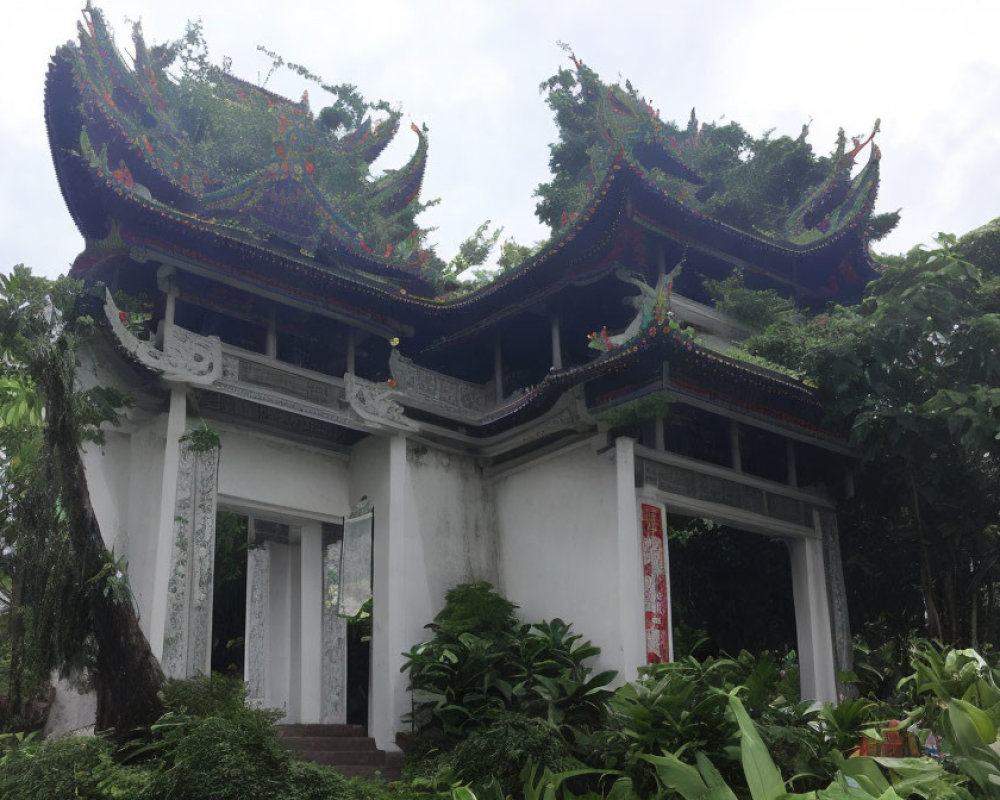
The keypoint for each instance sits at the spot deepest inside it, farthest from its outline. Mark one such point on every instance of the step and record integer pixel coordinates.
(386, 773)
(340, 758)
(316, 729)
(328, 742)
(343, 748)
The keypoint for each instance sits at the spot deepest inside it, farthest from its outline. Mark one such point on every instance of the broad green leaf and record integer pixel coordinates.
(979, 719)
(864, 770)
(718, 789)
(763, 778)
(675, 774)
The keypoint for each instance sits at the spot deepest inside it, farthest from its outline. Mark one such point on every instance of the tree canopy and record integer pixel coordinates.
(914, 371)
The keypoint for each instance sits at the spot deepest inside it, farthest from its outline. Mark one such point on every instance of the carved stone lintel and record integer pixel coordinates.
(187, 637)
(375, 403)
(185, 356)
(274, 399)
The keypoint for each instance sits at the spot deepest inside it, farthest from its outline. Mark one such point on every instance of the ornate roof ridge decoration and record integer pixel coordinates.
(123, 121)
(370, 140)
(395, 190)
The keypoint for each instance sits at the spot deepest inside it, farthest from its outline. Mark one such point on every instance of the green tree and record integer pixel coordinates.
(914, 371)
(70, 602)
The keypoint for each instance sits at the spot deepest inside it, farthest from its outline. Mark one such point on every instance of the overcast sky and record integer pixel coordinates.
(471, 70)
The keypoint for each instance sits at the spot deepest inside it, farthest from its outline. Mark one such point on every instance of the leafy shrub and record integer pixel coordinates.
(553, 678)
(215, 758)
(482, 662)
(502, 748)
(211, 746)
(474, 608)
(308, 781)
(205, 696)
(671, 705)
(71, 767)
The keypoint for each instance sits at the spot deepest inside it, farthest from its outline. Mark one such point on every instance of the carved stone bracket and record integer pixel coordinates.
(185, 356)
(375, 403)
(187, 641)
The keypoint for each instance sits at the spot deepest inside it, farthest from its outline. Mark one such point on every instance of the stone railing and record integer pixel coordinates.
(439, 393)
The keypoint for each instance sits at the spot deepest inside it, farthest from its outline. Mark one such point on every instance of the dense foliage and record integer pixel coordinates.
(729, 727)
(208, 745)
(913, 372)
(484, 669)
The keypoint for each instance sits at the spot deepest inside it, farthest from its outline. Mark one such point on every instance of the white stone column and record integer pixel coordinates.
(812, 620)
(277, 687)
(388, 698)
(258, 601)
(187, 639)
(163, 530)
(631, 604)
(311, 632)
(334, 644)
(843, 648)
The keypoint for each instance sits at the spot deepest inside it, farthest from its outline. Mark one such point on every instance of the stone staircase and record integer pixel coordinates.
(344, 748)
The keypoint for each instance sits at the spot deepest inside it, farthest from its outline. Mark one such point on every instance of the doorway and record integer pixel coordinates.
(229, 591)
(730, 589)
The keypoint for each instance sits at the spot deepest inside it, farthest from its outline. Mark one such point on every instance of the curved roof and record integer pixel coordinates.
(121, 123)
(132, 178)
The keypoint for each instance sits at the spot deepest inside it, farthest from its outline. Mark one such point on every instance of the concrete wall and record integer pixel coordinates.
(147, 446)
(124, 478)
(434, 527)
(290, 478)
(558, 545)
(450, 532)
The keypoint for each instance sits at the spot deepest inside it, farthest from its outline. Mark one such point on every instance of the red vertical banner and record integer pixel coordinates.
(654, 577)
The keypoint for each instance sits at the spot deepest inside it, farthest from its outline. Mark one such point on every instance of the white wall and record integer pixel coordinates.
(147, 445)
(108, 472)
(558, 543)
(124, 479)
(450, 532)
(288, 477)
(434, 528)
